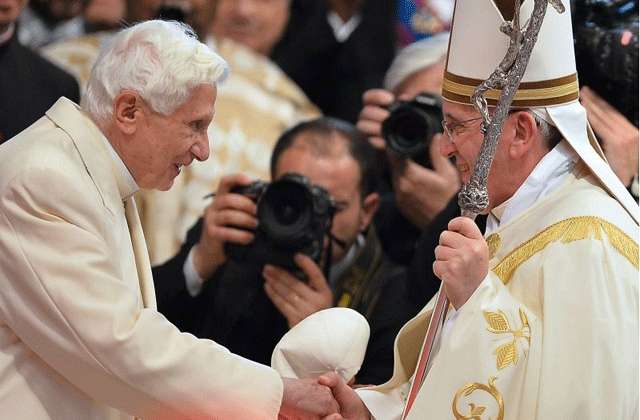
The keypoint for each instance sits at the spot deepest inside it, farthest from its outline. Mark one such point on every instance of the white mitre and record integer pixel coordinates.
(549, 86)
(331, 340)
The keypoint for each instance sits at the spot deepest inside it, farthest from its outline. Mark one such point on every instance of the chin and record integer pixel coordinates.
(166, 186)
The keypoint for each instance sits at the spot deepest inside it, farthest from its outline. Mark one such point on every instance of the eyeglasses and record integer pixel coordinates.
(455, 129)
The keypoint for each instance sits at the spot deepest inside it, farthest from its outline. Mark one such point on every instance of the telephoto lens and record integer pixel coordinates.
(411, 125)
(293, 216)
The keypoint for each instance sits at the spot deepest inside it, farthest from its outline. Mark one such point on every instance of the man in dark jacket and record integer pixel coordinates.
(248, 307)
(29, 84)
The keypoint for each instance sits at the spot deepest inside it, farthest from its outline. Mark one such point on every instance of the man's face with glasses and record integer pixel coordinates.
(463, 140)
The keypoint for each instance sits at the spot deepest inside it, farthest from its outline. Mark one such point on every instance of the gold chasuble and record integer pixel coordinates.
(552, 332)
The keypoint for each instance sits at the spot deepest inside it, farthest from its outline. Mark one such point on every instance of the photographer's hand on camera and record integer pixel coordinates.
(619, 138)
(422, 193)
(296, 299)
(226, 219)
(373, 114)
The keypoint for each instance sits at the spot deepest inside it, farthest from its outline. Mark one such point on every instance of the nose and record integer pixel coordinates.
(447, 146)
(200, 149)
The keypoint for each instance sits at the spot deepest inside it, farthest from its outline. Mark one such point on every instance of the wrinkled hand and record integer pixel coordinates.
(462, 260)
(306, 399)
(351, 406)
(296, 299)
(422, 193)
(224, 221)
(373, 114)
(618, 136)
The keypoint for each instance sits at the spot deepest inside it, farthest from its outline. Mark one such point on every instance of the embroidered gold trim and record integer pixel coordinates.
(569, 230)
(522, 94)
(476, 411)
(524, 85)
(498, 323)
(493, 242)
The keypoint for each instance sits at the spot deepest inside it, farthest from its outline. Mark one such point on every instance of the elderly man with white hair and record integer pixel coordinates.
(80, 337)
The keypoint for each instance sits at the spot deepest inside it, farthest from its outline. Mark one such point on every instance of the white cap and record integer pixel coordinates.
(331, 340)
(477, 46)
(414, 57)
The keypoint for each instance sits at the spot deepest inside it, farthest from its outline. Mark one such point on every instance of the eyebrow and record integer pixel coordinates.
(448, 116)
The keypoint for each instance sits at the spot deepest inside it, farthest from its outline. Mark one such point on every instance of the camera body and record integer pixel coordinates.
(293, 216)
(411, 125)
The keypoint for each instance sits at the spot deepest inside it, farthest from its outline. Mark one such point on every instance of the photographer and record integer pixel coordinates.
(419, 186)
(246, 305)
(606, 46)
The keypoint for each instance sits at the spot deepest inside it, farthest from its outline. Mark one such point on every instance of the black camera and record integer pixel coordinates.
(293, 216)
(606, 48)
(412, 124)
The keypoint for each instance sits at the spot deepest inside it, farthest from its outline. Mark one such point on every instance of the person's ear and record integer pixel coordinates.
(525, 132)
(127, 111)
(370, 205)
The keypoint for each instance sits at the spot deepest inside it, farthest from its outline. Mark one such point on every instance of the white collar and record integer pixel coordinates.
(126, 183)
(545, 178)
(343, 30)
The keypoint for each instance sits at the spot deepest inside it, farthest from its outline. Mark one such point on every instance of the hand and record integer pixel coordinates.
(296, 299)
(306, 399)
(462, 260)
(225, 220)
(422, 193)
(351, 406)
(619, 137)
(373, 114)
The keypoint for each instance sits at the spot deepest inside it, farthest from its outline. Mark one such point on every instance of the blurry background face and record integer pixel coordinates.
(196, 13)
(105, 14)
(258, 24)
(9, 12)
(57, 10)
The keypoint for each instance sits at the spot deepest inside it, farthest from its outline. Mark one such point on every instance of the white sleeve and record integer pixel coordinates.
(192, 279)
(387, 405)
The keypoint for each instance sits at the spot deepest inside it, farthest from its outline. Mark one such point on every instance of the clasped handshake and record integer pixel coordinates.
(328, 398)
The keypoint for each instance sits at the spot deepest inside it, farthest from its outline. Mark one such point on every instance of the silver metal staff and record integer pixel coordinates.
(474, 197)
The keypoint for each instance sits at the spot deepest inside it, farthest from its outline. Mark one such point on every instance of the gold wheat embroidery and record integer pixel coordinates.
(569, 230)
(497, 323)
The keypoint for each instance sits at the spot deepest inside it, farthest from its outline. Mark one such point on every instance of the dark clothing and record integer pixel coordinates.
(422, 283)
(233, 309)
(397, 234)
(334, 74)
(29, 86)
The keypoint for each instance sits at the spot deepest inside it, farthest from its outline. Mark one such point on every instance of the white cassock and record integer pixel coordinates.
(552, 331)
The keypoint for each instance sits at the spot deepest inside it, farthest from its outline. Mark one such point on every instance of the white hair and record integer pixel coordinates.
(416, 56)
(161, 61)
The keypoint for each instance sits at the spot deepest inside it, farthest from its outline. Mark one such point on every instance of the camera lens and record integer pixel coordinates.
(285, 212)
(411, 125)
(407, 129)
